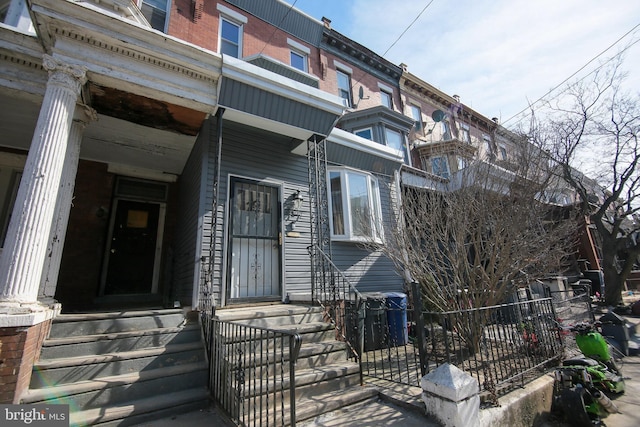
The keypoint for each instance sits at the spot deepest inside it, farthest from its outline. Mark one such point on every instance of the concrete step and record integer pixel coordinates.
(83, 368)
(118, 342)
(272, 316)
(143, 410)
(69, 325)
(121, 389)
(309, 332)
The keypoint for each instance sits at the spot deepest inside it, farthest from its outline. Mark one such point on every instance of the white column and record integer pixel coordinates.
(25, 245)
(83, 115)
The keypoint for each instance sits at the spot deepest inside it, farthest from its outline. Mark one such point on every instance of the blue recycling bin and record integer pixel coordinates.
(396, 303)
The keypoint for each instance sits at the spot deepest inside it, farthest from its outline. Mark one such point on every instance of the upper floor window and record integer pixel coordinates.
(393, 138)
(299, 55)
(15, 13)
(156, 13)
(230, 38)
(365, 133)
(487, 145)
(386, 99)
(416, 115)
(440, 166)
(231, 23)
(503, 152)
(356, 213)
(344, 86)
(465, 136)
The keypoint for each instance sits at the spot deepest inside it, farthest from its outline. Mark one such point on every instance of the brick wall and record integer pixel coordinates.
(19, 349)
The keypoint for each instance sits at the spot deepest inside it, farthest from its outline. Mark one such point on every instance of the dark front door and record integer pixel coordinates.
(131, 257)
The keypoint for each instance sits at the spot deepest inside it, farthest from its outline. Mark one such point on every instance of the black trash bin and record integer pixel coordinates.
(375, 322)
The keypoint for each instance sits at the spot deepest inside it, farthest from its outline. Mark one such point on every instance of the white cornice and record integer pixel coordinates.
(364, 145)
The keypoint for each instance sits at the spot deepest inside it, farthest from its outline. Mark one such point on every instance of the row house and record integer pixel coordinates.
(189, 154)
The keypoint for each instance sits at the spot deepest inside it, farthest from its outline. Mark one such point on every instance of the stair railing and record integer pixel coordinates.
(248, 375)
(342, 303)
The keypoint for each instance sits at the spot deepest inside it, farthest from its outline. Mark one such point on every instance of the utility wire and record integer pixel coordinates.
(580, 69)
(408, 27)
(278, 26)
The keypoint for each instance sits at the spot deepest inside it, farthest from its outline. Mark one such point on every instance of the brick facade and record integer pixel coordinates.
(19, 349)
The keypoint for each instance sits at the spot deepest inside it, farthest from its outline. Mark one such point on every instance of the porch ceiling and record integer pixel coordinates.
(110, 139)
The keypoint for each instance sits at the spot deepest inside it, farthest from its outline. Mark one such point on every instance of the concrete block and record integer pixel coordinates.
(451, 396)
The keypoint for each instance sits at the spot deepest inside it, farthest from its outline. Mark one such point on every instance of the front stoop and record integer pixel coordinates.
(326, 379)
(122, 368)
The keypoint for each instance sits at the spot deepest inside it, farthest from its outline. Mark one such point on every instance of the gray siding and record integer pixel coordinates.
(282, 16)
(252, 153)
(187, 229)
(242, 97)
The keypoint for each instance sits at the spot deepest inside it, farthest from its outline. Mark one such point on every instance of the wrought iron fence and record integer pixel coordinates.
(572, 306)
(252, 372)
(502, 346)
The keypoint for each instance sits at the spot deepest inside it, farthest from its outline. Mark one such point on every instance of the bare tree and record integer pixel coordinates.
(471, 241)
(592, 130)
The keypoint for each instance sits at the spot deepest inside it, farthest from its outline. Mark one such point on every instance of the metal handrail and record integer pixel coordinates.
(336, 270)
(237, 372)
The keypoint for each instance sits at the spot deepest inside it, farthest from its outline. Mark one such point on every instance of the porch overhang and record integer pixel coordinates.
(264, 99)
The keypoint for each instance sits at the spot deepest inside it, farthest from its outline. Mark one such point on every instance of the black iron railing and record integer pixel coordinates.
(342, 303)
(252, 372)
(502, 346)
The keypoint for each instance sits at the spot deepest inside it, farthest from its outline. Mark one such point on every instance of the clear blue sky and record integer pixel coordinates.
(497, 55)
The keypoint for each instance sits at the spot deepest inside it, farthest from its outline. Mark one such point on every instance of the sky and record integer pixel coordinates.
(498, 56)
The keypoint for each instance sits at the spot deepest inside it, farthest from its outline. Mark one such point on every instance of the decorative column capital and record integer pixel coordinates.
(84, 115)
(68, 76)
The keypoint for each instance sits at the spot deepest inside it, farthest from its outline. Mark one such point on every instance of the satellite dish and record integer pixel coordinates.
(437, 115)
(361, 93)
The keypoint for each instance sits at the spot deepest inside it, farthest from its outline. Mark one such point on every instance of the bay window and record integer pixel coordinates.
(355, 206)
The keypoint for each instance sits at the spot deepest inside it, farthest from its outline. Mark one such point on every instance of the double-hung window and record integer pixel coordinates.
(355, 206)
(393, 138)
(416, 115)
(231, 23)
(299, 55)
(156, 13)
(465, 136)
(344, 86)
(365, 133)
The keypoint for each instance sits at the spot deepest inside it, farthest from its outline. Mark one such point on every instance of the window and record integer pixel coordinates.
(365, 133)
(155, 11)
(487, 145)
(503, 152)
(299, 55)
(386, 99)
(393, 139)
(462, 163)
(440, 166)
(15, 13)
(464, 133)
(11, 167)
(230, 38)
(299, 61)
(416, 114)
(355, 206)
(344, 86)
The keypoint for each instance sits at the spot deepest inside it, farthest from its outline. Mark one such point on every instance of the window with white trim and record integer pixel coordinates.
(344, 86)
(230, 38)
(365, 133)
(503, 152)
(386, 99)
(156, 12)
(465, 136)
(416, 115)
(440, 166)
(393, 138)
(299, 55)
(356, 213)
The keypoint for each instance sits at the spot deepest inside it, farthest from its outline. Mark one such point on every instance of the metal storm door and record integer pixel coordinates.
(254, 261)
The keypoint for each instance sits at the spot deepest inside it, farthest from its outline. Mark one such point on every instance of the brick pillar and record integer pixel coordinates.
(19, 349)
